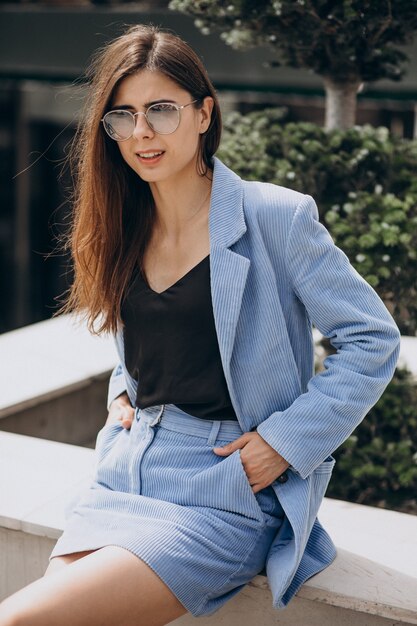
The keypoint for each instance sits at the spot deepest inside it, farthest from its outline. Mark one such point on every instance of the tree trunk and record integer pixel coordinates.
(340, 104)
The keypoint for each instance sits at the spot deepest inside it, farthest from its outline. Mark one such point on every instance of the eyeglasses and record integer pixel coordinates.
(163, 118)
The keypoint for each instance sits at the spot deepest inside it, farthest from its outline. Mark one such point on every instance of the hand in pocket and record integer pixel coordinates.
(262, 464)
(121, 411)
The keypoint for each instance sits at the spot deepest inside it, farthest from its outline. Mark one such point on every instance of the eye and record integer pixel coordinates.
(163, 107)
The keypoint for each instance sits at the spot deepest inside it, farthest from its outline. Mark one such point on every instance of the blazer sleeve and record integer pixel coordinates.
(117, 385)
(343, 306)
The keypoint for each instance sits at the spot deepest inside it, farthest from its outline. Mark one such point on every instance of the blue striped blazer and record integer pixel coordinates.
(275, 271)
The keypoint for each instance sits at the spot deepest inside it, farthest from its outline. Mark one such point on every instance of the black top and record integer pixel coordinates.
(171, 346)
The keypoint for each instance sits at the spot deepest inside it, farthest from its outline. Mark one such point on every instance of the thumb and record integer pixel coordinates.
(230, 447)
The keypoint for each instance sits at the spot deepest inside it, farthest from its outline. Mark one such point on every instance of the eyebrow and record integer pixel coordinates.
(146, 105)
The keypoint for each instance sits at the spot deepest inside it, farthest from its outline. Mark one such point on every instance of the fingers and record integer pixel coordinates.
(127, 414)
(237, 444)
(121, 411)
(261, 463)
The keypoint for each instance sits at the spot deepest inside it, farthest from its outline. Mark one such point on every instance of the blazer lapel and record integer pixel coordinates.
(228, 270)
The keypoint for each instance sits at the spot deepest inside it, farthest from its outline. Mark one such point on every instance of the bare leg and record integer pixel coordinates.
(58, 562)
(107, 587)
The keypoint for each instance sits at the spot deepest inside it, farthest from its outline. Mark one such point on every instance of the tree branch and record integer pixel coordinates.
(383, 26)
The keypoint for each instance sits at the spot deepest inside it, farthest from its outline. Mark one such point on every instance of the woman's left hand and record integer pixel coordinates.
(261, 462)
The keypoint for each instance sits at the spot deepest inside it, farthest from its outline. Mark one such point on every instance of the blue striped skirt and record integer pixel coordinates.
(161, 492)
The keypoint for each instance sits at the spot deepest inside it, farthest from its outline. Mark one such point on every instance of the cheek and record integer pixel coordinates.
(123, 152)
(187, 144)
(128, 157)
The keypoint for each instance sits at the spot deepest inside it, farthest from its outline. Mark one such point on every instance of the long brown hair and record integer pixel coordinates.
(113, 209)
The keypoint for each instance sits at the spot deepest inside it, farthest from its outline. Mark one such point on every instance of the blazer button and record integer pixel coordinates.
(283, 478)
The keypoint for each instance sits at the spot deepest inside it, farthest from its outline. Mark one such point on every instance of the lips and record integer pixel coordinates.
(150, 155)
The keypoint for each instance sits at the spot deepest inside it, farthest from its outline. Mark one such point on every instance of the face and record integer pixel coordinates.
(154, 157)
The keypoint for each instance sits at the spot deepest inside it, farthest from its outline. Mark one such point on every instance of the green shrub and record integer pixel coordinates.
(377, 465)
(365, 185)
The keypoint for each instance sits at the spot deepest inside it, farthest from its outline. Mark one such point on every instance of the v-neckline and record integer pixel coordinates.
(160, 293)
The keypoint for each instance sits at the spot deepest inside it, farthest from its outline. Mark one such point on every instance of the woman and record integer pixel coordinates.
(216, 452)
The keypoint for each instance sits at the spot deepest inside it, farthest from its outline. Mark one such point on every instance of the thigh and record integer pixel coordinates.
(58, 562)
(108, 586)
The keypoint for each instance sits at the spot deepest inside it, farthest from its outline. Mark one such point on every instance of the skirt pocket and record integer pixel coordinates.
(266, 499)
(111, 466)
(105, 438)
(225, 486)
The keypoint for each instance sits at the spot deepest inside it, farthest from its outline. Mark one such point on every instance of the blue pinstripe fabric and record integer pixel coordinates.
(274, 271)
(161, 492)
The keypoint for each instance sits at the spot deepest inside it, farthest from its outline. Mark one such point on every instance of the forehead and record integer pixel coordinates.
(146, 86)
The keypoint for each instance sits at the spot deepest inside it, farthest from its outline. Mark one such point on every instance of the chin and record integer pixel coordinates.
(148, 176)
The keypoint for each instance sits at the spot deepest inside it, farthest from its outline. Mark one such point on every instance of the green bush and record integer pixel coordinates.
(365, 185)
(377, 465)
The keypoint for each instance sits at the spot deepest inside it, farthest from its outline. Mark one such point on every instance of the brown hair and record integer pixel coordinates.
(113, 209)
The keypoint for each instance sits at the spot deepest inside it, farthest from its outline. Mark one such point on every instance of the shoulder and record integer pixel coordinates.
(263, 203)
(258, 195)
(274, 204)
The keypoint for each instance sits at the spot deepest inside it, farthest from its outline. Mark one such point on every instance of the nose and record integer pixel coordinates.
(142, 128)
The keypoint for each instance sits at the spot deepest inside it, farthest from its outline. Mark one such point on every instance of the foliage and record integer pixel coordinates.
(348, 41)
(377, 465)
(365, 186)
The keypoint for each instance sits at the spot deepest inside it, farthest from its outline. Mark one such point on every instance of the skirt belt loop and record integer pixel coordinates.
(214, 432)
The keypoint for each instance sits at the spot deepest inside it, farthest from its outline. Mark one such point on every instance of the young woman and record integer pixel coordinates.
(216, 452)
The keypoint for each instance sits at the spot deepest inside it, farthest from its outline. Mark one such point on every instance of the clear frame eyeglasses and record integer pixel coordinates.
(163, 118)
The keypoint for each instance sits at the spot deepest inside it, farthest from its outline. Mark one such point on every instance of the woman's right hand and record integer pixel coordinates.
(121, 411)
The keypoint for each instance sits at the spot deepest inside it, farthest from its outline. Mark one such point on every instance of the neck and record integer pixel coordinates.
(180, 205)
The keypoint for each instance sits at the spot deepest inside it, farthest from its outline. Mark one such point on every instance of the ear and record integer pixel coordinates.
(205, 114)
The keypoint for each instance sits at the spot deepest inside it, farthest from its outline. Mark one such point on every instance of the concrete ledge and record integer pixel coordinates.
(408, 354)
(50, 358)
(373, 581)
(55, 378)
(70, 417)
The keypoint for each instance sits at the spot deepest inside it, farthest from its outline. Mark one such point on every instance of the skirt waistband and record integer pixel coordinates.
(169, 416)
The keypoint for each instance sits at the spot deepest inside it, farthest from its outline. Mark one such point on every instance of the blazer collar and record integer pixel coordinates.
(226, 218)
(228, 269)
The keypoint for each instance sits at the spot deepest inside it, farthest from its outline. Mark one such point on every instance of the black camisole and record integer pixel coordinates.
(171, 346)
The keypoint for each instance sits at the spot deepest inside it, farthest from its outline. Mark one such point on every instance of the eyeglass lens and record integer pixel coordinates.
(162, 118)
